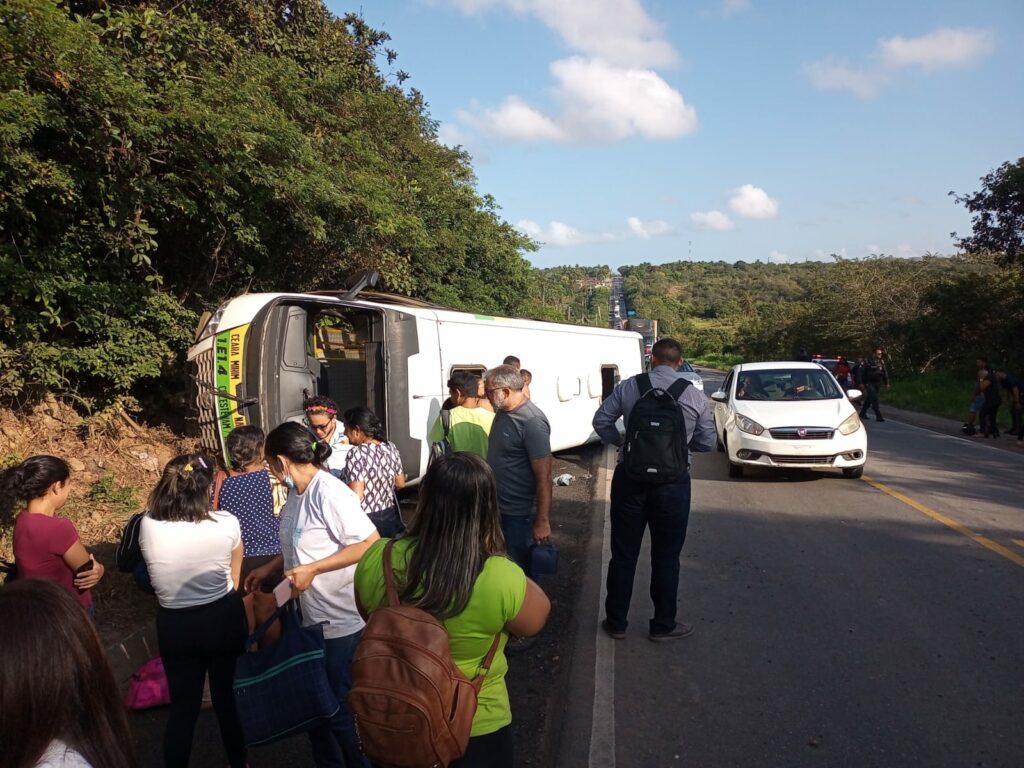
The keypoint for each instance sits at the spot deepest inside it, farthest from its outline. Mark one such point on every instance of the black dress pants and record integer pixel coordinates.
(196, 642)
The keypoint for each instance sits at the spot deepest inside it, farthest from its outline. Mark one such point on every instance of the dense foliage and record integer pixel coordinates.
(928, 313)
(997, 222)
(157, 157)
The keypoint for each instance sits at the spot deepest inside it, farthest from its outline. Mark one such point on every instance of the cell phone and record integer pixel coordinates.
(283, 592)
(84, 567)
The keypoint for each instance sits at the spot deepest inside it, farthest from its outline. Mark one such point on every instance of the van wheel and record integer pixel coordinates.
(853, 472)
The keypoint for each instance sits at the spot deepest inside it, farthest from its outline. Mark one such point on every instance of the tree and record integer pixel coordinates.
(998, 215)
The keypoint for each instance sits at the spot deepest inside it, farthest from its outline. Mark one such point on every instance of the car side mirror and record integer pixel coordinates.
(720, 396)
(698, 370)
(854, 394)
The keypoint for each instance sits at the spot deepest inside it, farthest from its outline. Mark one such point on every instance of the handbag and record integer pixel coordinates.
(283, 689)
(148, 687)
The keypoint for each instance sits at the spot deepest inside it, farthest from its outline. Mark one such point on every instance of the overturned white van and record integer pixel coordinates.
(259, 355)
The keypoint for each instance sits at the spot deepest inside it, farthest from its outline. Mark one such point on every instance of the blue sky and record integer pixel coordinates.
(622, 131)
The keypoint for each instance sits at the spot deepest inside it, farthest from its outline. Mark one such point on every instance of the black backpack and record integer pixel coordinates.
(655, 447)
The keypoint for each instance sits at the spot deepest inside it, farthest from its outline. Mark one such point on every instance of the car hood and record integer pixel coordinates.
(796, 413)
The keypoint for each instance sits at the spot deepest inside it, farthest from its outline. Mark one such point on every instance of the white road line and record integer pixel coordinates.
(602, 727)
(960, 440)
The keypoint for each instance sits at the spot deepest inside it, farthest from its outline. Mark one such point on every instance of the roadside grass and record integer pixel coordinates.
(723, 361)
(939, 393)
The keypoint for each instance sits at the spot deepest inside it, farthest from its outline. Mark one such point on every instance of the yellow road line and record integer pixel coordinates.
(986, 542)
(1018, 542)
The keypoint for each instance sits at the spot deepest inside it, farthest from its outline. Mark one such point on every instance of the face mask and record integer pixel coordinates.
(289, 481)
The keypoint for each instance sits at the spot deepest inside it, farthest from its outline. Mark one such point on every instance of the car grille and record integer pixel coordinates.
(801, 459)
(793, 433)
(204, 401)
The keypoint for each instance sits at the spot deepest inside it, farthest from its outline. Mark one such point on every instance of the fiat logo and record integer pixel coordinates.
(802, 431)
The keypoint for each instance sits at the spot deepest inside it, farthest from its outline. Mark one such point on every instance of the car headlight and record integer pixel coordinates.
(851, 425)
(749, 426)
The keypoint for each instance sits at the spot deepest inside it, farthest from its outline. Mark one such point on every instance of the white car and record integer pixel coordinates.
(687, 371)
(788, 414)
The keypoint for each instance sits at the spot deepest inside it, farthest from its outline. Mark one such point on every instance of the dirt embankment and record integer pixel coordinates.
(115, 462)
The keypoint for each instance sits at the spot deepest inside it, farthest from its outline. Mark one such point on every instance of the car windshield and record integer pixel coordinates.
(686, 368)
(786, 384)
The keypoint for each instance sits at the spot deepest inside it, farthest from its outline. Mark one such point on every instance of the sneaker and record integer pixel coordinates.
(680, 631)
(614, 634)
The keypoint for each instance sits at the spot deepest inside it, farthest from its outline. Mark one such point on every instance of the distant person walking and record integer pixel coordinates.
(519, 452)
(469, 423)
(989, 387)
(636, 506)
(1014, 388)
(843, 373)
(871, 374)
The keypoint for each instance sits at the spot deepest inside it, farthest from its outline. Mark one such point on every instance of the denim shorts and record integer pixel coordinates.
(976, 403)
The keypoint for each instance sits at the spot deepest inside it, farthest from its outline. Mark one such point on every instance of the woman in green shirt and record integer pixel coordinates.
(453, 565)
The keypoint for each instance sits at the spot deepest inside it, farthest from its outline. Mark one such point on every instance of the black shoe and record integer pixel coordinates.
(879, 419)
(614, 634)
(864, 417)
(680, 631)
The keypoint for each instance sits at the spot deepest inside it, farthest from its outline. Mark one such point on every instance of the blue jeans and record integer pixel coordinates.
(635, 507)
(335, 743)
(518, 530)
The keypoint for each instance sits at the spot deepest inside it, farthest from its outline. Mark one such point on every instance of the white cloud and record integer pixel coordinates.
(603, 102)
(874, 248)
(599, 102)
(645, 230)
(937, 50)
(713, 220)
(905, 250)
(733, 7)
(559, 234)
(837, 77)
(941, 49)
(778, 257)
(514, 120)
(752, 202)
(617, 31)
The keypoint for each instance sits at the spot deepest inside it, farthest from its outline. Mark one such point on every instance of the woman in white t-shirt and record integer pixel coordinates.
(324, 533)
(194, 558)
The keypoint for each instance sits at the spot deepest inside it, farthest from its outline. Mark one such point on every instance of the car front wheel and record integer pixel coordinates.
(735, 470)
(853, 472)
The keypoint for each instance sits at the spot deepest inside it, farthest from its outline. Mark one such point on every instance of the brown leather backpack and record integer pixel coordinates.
(412, 706)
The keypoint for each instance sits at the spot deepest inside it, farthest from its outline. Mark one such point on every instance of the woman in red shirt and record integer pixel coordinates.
(47, 546)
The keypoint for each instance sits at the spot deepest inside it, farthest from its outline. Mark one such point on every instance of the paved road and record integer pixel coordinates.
(839, 623)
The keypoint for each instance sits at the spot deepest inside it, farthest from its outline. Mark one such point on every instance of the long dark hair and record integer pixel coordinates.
(245, 445)
(183, 493)
(55, 681)
(295, 443)
(457, 527)
(29, 480)
(365, 420)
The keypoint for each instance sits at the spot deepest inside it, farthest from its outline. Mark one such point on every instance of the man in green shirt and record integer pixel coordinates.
(469, 423)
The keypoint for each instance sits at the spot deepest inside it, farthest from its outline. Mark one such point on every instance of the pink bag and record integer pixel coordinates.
(148, 687)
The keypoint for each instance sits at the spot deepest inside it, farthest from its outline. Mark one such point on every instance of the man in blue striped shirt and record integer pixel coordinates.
(664, 508)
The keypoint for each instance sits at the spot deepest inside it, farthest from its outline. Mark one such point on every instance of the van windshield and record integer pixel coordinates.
(787, 384)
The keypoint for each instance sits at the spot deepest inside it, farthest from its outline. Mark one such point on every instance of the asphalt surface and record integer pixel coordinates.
(839, 622)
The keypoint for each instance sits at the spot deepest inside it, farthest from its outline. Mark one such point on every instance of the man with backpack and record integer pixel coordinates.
(665, 419)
